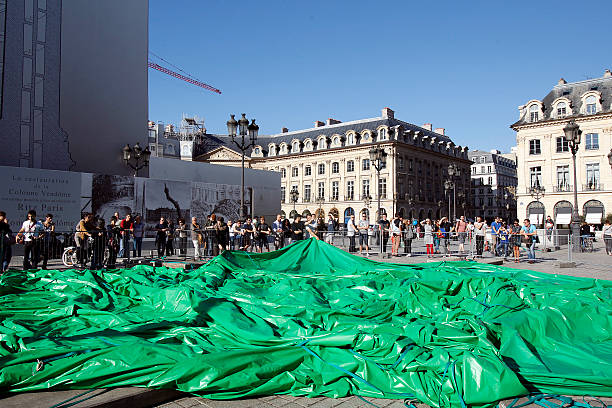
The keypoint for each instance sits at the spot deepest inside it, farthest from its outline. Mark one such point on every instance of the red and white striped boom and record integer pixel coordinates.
(183, 77)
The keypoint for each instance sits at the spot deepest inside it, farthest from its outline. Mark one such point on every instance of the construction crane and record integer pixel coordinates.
(186, 78)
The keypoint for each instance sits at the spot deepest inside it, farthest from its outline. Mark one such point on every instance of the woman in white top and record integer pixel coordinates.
(607, 236)
(480, 227)
(396, 235)
(351, 230)
(428, 237)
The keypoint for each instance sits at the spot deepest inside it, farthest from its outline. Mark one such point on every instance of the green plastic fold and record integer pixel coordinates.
(309, 320)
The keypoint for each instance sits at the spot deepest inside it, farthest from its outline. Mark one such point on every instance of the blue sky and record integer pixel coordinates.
(465, 66)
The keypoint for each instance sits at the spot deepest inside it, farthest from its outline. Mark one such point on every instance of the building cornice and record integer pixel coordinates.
(553, 122)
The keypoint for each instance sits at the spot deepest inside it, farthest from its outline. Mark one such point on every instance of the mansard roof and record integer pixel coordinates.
(574, 91)
(357, 126)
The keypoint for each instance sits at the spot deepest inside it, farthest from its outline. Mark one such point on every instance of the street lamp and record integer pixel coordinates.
(294, 194)
(243, 128)
(537, 192)
(572, 136)
(320, 201)
(453, 172)
(136, 154)
(448, 186)
(378, 159)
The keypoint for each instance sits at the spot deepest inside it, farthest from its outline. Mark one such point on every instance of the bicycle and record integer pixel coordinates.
(69, 256)
(586, 243)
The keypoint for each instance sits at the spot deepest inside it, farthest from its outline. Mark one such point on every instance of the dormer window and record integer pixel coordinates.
(257, 150)
(321, 143)
(365, 137)
(382, 134)
(533, 113)
(591, 105)
(336, 141)
(561, 110)
(283, 148)
(271, 149)
(296, 147)
(350, 139)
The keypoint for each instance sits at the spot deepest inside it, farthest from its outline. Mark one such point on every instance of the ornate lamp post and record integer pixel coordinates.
(137, 155)
(454, 172)
(294, 194)
(572, 136)
(537, 191)
(320, 201)
(448, 186)
(244, 129)
(378, 159)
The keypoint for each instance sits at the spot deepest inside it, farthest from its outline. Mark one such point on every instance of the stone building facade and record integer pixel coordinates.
(544, 157)
(329, 166)
(493, 184)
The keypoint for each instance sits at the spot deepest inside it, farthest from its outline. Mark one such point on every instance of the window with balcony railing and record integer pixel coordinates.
(591, 141)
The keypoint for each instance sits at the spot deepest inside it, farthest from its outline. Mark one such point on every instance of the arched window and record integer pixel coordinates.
(382, 134)
(535, 212)
(534, 113)
(321, 143)
(257, 150)
(336, 142)
(271, 149)
(347, 215)
(296, 147)
(591, 105)
(350, 139)
(365, 137)
(561, 109)
(563, 212)
(593, 211)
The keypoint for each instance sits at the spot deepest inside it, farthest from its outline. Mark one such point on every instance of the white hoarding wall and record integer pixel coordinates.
(262, 187)
(45, 191)
(67, 194)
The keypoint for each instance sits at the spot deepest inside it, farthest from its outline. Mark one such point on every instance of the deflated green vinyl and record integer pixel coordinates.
(309, 320)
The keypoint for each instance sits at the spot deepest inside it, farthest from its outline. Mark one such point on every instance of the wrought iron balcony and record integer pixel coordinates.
(596, 186)
(563, 188)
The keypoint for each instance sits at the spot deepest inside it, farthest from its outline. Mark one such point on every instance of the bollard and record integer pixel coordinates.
(570, 263)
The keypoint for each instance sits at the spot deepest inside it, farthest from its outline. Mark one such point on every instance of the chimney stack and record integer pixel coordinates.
(318, 123)
(388, 113)
(331, 121)
(607, 74)
(427, 126)
(284, 130)
(440, 131)
(562, 82)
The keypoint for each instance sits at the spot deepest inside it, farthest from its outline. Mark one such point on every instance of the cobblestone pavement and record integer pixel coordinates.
(285, 401)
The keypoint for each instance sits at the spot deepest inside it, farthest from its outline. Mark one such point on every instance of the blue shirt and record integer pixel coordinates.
(529, 230)
(495, 226)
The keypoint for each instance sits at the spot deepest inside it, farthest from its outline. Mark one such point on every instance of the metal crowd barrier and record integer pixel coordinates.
(99, 250)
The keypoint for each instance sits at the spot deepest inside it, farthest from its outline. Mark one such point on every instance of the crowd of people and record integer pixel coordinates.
(103, 243)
